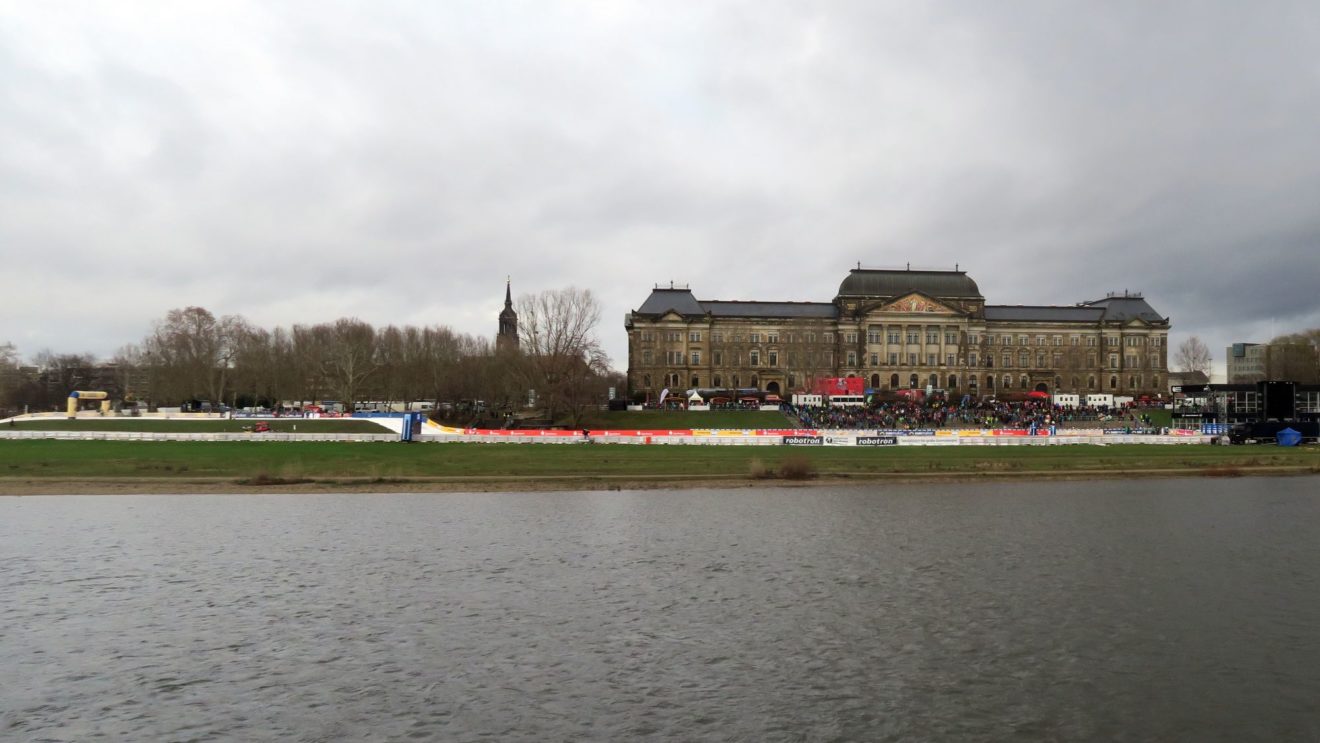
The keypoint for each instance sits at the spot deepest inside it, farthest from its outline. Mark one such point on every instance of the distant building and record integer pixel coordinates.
(508, 333)
(898, 329)
(1246, 363)
(1249, 363)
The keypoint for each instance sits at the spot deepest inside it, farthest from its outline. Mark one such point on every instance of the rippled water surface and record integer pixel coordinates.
(1152, 610)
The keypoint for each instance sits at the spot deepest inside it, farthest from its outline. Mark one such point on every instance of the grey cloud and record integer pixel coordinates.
(300, 162)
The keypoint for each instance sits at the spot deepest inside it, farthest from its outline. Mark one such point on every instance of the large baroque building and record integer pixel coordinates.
(898, 329)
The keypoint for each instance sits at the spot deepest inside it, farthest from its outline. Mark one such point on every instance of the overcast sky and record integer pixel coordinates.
(296, 162)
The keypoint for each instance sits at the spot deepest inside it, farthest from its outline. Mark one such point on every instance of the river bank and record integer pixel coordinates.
(19, 486)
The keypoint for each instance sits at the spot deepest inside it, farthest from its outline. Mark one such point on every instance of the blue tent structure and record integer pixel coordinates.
(1288, 437)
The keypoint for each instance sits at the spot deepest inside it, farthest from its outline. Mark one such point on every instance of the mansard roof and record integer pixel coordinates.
(1042, 313)
(1110, 309)
(1127, 307)
(682, 302)
(665, 300)
(867, 282)
(771, 309)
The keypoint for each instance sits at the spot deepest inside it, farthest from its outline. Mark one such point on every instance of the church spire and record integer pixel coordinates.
(508, 335)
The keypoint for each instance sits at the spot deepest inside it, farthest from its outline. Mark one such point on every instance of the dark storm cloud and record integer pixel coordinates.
(296, 163)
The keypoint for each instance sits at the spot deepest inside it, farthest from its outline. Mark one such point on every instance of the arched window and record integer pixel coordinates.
(1026, 382)
(990, 382)
(875, 381)
(1113, 383)
(1090, 383)
(934, 380)
(673, 380)
(792, 381)
(696, 381)
(893, 381)
(1075, 385)
(716, 381)
(646, 381)
(1008, 381)
(736, 383)
(1058, 383)
(912, 381)
(756, 382)
(1132, 382)
(953, 381)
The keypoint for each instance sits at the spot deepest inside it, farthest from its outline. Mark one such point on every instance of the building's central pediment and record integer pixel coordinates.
(918, 303)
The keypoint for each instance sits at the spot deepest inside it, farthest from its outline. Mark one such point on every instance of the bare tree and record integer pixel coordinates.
(350, 357)
(563, 356)
(1294, 357)
(1192, 356)
(192, 353)
(9, 376)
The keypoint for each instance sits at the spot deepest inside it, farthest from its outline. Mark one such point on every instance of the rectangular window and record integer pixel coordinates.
(875, 359)
(696, 358)
(850, 337)
(932, 337)
(648, 336)
(717, 337)
(646, 357)
(1058, 340)
(950, 338)
(829, 337)
(971, 359)
(1023, 340)
(755, 357)
(951, 359)
(694, 336)
(893, 359)
(755, 337)
(811, 337)
(894, 336)
(913, 336)
(932, 359)
(852, 358)
(774, 358)
(873, 337)
(912, 359)
(773, 337)
(1040, 340)
(1007, 360)
(973, 340)
(719, 357)
(1090, 340)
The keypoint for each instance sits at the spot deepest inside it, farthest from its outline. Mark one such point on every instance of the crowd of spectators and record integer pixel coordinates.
(939, 413)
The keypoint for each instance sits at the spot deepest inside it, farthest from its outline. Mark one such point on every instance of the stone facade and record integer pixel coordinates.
(898, 329)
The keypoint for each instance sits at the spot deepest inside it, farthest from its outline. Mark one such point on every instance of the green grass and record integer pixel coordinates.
(217, 425)
(682, 419)
(327, 460)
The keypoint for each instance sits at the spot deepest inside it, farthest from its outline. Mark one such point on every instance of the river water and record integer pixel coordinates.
(1143, 610)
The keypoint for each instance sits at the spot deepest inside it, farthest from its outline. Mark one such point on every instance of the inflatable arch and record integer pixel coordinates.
(77, 395)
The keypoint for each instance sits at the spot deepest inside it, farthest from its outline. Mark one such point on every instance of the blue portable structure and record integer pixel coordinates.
(1288, 437)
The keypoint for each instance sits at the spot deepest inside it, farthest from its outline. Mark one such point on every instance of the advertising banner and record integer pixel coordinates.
(877, 441)
(804, 440)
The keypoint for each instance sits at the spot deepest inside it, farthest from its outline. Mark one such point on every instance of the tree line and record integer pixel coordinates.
(193, 355)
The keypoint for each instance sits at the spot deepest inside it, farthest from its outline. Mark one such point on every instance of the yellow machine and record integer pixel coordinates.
(77, 395)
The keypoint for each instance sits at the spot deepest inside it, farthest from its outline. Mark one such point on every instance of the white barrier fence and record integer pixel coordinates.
(828, 438)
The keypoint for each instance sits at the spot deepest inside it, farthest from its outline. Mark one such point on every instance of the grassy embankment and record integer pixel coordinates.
(43, 465)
